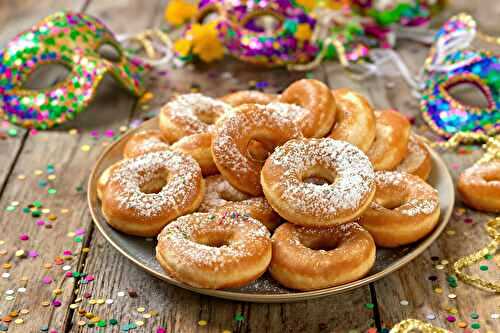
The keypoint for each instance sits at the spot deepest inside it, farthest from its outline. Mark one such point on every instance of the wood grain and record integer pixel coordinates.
(412, 283)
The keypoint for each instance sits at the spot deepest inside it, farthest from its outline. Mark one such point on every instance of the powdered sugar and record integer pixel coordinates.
(416, 196)
(242, 235)
(182, 182)
(193, 110)
(354, 176)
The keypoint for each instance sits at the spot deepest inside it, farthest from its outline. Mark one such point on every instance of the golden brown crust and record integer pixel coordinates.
(145, 193)
(222, 196)
(355, 119)
(417, 160)
(248, 97)
(309, 258)
(222, 250)
(404, 210)
(198, 146)
(316, 97)
(347, 168)
(479, 186)
(190, 114)
(233, 135)
(391, 140)
(143, 142)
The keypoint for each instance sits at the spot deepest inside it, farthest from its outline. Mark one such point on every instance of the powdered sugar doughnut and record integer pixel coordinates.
(145, 193)
(316, 258)
(391, 140)
(190, 114)
(248, 97)
(232, 138)
(346, 167)
(143, 142)
(198, 146)
(222, 250)
(418, 160)
(220, 195)
(479, 186)
(404, 210)
(317, 99)
(355, 119)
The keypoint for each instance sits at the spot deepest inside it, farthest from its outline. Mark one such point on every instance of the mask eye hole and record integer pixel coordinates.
(46, 76)
(109, 52)
(263, 22)
(470, 94)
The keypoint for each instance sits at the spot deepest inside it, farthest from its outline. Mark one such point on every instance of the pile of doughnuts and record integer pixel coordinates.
(304, 185)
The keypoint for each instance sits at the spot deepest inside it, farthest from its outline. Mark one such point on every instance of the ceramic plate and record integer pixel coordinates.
(141, 251)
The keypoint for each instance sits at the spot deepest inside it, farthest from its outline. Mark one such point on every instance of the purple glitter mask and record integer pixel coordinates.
(288, 41)
(72, 40)
(452, 62)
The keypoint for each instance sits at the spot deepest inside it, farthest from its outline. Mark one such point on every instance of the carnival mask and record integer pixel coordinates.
(285, 38)
(452, 62)
(72, 40)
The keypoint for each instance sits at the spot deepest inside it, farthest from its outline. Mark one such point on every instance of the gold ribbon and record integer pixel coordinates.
(410, 325)
(492, 228)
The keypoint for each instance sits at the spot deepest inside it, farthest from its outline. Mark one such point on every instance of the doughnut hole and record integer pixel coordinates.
(319, 175)
(208, 115)
(260, 145)
(319, 243)
(155, 184)
(214, 238)
(259, 151)
(388, 200)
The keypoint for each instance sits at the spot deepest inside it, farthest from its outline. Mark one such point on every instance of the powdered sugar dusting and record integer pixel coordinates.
(219, 192)
(243, 235)
(354, 178)
(182, 182)
(191, 109)
(239, 127)
(419, 198)
(293, 112)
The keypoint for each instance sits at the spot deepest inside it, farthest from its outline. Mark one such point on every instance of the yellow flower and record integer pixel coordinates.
(303, 32)
(307, 4)
(183, 46)
(179, 11)
(206, 43)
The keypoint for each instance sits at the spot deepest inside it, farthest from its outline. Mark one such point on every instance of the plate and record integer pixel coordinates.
(141, 251)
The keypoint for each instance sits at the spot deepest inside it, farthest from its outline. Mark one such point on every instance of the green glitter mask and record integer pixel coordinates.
(72, 40)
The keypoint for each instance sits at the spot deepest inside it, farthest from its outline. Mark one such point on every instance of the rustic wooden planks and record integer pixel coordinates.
(412, 283)
(179, 310)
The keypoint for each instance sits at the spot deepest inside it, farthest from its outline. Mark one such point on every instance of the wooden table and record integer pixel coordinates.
(25, 165)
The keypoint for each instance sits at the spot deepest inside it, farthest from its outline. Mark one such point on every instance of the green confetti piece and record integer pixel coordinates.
(239, 317)
(475, 326)
(369, 306)
(483, 267)
(51, 191)
(12, 132)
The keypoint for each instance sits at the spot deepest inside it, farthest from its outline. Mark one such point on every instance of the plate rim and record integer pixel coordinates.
(255, 297)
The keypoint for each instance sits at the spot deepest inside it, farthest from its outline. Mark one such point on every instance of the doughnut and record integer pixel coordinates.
(198, 146)
(248, 97)
(316, 258)
(144, 142)
(391, 140)
(479, 186)
(348, 192)
(354, 120)
(318, 100)
(220, 195)
(103, 179)
(190, 114)
(417, 160)
(223, 250)
(404, 210)
(233, 135)
(145, 193)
